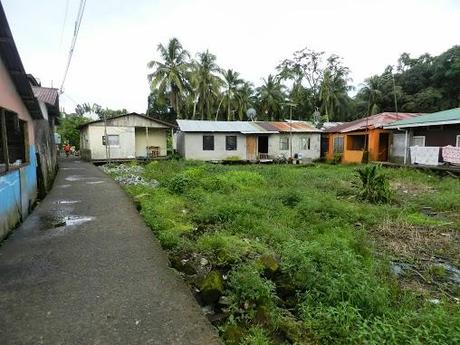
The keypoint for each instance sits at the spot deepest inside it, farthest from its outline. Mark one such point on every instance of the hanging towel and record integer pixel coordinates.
(451, 154)
(427, 155)
(413, 154)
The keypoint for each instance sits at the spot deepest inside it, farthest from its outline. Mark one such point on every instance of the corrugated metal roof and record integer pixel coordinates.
(374, 121)
(129, 114)
(294, 126)
(451, 116)
(245, 127)
(12, 61)
(46, 94)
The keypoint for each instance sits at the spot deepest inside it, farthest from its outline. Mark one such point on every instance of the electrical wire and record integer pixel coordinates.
(81, 10)
(66, 11)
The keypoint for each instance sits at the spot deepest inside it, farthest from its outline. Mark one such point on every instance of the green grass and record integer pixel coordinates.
(333, 284)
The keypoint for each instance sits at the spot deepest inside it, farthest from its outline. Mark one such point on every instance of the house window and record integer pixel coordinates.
(356, 142)
(284, 143)
(458, 141)
(418, 140)
(230, 142)
(114, 140)
(304, 143)
(338, 144)
(208, 142)
(13, 140)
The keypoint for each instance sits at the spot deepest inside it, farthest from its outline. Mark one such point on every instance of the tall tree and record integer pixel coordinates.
(232, 82)
(245, 99)
(169, 74)
(271, 98)
(373, 93)
(334, 89)
(207, 82)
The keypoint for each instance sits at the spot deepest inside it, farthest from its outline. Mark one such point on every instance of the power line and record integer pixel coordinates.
(81, 10)
(65, 22)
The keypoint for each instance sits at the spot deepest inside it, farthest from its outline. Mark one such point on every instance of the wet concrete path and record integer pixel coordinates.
(84, 269)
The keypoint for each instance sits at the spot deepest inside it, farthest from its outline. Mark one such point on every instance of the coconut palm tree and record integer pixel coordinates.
(169, 73)
(232, 82)
(245, 98)
(207, 81)
(271, 97)
(372, 90)
(333, 94)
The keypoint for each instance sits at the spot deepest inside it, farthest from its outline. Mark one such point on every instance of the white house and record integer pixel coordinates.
(129, 136)
(244, 140)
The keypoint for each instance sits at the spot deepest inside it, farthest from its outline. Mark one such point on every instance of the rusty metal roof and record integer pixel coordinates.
(370, 122)
(47, 95)
(291, 126)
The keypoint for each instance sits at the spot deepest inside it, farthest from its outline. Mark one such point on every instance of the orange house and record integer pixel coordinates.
(349, 141)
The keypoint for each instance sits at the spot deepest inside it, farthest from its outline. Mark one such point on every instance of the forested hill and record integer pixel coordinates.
(424, 84)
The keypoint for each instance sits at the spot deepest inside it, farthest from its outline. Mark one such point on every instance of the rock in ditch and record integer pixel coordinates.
(212, 287)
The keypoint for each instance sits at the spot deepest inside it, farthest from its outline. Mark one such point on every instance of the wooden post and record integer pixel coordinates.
(6, 156)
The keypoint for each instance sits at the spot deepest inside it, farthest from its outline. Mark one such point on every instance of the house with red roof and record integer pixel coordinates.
(349, 142)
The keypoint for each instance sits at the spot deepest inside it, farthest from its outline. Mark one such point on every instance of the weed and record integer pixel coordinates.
(374, 184)
(331, 281)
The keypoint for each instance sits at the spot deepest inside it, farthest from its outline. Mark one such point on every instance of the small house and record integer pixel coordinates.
(124, 137)
(430, 139)
(247, 141)
(22, 144)
(349, 141)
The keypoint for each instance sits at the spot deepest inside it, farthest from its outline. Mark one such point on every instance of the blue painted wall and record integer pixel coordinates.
(18, 191)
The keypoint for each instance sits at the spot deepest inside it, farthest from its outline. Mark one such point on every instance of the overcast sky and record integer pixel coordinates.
(118, 37)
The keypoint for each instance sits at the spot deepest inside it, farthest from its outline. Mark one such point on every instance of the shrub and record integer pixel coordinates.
(337, 158)
(247, 285)
(179, 183)
(374, 184)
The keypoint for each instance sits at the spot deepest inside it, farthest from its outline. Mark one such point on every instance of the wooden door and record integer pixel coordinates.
(251, 147)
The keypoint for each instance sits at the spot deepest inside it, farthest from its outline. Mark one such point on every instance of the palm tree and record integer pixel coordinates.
(170, 73)
(271, 97)
(372, 90)
(232, 82)
(207, 81)
(245, 98)
(333, 94)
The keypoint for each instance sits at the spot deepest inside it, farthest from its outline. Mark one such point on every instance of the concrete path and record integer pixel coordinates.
(84, 269)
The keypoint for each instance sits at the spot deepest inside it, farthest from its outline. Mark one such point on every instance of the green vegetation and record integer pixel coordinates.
(374, 184)
(69, 129)
(197, 88)
(293, 255)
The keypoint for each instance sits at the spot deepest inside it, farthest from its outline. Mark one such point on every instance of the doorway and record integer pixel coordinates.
(383, 147)
(262, 146)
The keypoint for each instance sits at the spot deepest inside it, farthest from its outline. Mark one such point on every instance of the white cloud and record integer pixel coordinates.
(118, 37)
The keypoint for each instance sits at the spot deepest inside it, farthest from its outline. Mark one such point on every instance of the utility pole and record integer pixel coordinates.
(107, 149)
(394, 93)
(290, 105)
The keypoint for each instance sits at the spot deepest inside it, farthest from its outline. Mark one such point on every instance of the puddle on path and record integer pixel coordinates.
(59, 221)
(72, 169)
(74, 178)
(63, 186)
(67, 202)
(76, 220)
(94, 182)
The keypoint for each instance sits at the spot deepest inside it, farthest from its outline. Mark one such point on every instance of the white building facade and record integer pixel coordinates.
(129, 136)
(249, 141)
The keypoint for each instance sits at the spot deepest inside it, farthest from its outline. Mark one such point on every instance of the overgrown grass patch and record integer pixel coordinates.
(303, 259)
